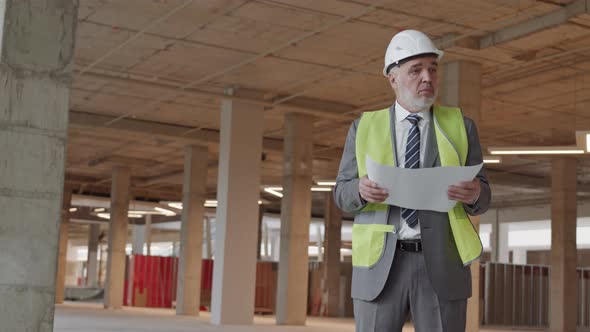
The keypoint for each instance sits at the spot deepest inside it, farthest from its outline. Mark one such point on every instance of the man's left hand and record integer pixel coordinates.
(466, 192)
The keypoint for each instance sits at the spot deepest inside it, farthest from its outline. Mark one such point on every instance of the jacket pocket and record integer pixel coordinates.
(368, 243)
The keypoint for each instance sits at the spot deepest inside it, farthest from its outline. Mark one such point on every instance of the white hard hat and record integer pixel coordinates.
(408, 43)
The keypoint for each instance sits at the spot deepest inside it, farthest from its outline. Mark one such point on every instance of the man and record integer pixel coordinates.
(407, 261)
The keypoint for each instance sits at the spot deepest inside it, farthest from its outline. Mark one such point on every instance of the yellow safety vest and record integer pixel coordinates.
(373, 138)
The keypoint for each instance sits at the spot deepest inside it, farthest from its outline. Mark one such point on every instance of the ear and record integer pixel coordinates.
(392, 81)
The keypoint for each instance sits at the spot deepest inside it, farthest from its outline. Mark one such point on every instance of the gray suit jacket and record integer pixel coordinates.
(449, 278)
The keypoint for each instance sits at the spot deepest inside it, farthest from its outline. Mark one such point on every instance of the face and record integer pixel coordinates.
(415, 83)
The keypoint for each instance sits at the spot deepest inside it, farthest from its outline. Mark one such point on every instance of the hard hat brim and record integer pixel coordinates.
(437, 53)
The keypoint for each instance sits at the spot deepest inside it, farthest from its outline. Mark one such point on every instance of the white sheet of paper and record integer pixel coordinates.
(419, 188)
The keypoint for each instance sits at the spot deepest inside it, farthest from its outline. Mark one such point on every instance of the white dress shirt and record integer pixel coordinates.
(402, 128)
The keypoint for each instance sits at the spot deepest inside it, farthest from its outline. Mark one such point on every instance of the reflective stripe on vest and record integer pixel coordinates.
(373, 138)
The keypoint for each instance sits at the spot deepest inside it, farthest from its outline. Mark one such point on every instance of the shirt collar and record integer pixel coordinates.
(401, 114)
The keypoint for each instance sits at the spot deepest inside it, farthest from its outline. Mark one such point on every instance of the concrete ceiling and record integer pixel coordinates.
(149, 74)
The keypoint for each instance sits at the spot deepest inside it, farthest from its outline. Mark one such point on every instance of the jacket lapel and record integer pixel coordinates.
(431, 153)
(393, 136)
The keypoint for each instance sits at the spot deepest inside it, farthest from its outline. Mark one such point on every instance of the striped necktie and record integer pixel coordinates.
(412, 161)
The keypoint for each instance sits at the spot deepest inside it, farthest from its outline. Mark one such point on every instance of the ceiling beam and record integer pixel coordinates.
(178, 132)
(456, 40)
(84, 184)
(172, 177)
(177, 177)
(319, 108)
(150, 25)
(517, 180)
(534, 25)
(123, 160)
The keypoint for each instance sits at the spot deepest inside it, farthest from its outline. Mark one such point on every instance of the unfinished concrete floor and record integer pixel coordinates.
(90, 317)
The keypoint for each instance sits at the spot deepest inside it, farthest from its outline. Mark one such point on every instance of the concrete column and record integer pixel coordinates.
(275, 241)
(259, 238)
(332, 244)
(62, 261)
(265, 240)
(141, 237)
(174, 249)
(194, 189)
(236, 227)
(101, 254)
(138, 239)
(499, 240)
(208, 244)
(148, 234)
(115, 280)
(563, 290)
(319, 242)
(92, 263)
(503, 249)
(460, 86)
(494, 236)
(519, 256)
(292, 283)
(36, 51)
(474, 302)
(267, 243)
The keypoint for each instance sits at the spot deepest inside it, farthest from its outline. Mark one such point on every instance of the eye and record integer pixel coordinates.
(433, 70)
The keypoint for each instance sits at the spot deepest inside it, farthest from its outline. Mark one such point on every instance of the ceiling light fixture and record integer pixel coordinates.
(583, 139)
(165, 212)
(277, 191)
(176, 205)
(321, 189)
(326, 183)
(106, 215)
(542, 150)
(274, 191)
(491, 160)
(211, 203)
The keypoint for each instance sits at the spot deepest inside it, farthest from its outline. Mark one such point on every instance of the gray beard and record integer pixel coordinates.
(417, 104)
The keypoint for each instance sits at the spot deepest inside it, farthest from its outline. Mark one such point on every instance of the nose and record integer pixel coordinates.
(427, 76)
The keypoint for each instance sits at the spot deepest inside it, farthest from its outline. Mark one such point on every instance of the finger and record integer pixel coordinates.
(456, 197)
(460, 190)
(466, 195)
(374, 197)
(462, 200)
(373, 190)
(461, 197)
(462, 185)
(467, 184)
(373, 185)
(365, 181)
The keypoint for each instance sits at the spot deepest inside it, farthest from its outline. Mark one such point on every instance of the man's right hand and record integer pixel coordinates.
(371, 192)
